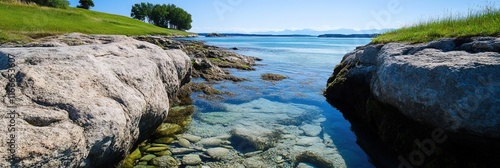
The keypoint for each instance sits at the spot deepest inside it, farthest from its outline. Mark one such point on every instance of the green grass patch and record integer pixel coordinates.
(485, 22)
(21, 23)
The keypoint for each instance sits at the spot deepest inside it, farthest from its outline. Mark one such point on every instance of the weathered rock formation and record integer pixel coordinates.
(85, 100)
(209, 61)
(408, 91)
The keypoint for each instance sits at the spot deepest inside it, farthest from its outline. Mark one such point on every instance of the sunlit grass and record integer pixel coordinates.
(21, 23)
(485, 22)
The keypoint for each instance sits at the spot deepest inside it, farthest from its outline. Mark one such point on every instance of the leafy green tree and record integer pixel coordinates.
(159, 15)
(85, 4)
(167, 16)
(180, 19)
(142, 11)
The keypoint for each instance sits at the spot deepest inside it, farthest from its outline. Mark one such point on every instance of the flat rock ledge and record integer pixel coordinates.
(84, 100)
(411, 92)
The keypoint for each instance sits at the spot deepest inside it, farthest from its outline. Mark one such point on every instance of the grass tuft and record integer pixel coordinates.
(22, 23)
(484, 22)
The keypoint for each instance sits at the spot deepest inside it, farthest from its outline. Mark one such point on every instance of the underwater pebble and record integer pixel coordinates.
(184, 143)
(159, 145)
(164, 140)
(147, 157)
(156, 149)
(217, 153)
(191, 138)
(209, 142)
(177, 151)
(253, 162)
(191, 159)
(164, 161)
(279, 160)
(163, 153)
(304, 165)
(198, 148)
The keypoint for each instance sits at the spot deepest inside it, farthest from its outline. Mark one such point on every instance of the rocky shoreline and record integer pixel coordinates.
(435, 104)
(70, 85)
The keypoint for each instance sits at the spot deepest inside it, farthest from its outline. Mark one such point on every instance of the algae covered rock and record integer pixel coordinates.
(164, 161)
(164, 140)
(156, 149)
(167, 129)
(130, 159)
(272, 77)
(147, 157)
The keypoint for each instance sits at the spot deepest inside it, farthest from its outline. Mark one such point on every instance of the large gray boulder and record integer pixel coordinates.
(85, 100)
(456, 90)
(444, 94)
(453, 84)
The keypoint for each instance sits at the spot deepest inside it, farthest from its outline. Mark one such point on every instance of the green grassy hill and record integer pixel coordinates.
(21, 23)
(485, 22)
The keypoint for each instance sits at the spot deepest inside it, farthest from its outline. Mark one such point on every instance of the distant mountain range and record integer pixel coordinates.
(310, 32)
(316, 33)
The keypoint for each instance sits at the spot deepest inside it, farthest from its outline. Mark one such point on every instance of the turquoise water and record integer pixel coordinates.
(308, 62)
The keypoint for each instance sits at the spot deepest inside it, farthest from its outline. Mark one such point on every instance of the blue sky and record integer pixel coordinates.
(248, 16)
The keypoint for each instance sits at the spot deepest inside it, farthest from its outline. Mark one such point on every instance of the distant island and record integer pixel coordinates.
(350, 35)
(246, 35)
(289, 35)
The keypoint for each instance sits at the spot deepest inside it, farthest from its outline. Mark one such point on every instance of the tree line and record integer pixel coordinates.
(167, 16)
(85, 4)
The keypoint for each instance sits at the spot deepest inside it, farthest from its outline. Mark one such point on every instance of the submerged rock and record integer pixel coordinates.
(177, 151)
(88, 104)
(184, 143)
(315, 159)
(147, 157)
(311, 130)
(164, 140)
(252, 138)
(210, 142)
(304, 165)
(164, 161)
(272, 77)
(208, 61)
(217, 153)
(156, 149)
(254, 162)
(191, 138)
(191, 159)
(167, 129)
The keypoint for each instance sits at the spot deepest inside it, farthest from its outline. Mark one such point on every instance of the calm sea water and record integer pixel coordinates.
(308, 62)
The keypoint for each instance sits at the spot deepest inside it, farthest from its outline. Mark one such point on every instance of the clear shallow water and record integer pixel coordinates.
(308, 62)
